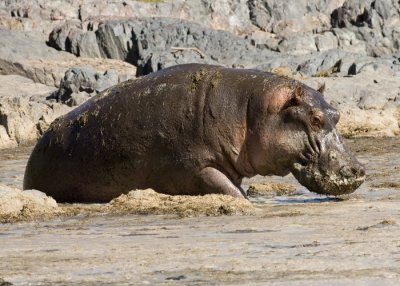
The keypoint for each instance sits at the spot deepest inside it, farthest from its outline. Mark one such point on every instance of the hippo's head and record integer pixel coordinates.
(296, 132)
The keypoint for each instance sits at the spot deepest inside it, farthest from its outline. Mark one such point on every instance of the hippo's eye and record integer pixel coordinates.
(317, 119)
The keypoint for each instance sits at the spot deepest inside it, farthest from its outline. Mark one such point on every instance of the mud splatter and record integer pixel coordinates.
(16, 205)
(270, 189)
(150, 202)
(381, 224)
(391, 185)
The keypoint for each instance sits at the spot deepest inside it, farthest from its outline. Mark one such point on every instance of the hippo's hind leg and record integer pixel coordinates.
(212, 181)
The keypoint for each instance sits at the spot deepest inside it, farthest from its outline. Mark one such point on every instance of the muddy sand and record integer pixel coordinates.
(288, 236)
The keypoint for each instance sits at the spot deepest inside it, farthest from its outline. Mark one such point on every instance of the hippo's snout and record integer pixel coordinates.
(335, 173)
(343, 163)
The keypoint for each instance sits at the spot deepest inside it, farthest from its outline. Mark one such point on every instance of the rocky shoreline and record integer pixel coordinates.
(56, 54)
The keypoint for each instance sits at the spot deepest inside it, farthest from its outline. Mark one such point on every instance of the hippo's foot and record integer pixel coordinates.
(212, 181)
(343, 182)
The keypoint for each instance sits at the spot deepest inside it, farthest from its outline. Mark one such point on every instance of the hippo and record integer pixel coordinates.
(193, 129)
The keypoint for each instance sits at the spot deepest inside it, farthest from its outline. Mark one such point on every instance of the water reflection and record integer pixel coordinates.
(301, 196)
(12, 165)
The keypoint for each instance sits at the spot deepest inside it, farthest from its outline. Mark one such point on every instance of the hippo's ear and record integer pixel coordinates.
(321, 89)
(285, 97)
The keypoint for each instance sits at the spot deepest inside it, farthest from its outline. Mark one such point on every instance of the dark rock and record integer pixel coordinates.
(71, 38)
(81, 83)
(322, 64)
(339, 18)
(58, 38)
(112, 39)
(29, 57)
(88, 46)
(161, 60)
(353, 12)
(370, 25)
(260, 14)
(152, 43)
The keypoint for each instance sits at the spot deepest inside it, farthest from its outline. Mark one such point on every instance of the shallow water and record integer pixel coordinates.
(301, 239)
(12, 165)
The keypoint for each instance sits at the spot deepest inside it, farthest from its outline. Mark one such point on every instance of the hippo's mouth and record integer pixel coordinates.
(329, 183)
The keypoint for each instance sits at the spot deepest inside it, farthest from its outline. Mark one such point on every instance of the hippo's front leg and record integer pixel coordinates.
(212, 181)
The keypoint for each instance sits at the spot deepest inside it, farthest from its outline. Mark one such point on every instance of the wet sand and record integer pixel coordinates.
(294, 239)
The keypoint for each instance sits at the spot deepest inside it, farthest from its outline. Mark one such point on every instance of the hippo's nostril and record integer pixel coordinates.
(360, 172)
(348, 171)
(354, 171)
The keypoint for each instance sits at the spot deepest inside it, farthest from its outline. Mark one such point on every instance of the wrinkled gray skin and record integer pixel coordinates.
(192, 130)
